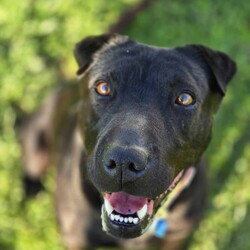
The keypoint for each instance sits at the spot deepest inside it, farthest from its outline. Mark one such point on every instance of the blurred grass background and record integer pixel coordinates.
(36, 44)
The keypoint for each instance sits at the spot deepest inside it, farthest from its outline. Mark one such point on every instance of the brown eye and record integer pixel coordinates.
(184, 99)
(103, 88)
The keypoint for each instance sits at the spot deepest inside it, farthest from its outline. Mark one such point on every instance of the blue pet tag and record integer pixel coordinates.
(161, 228)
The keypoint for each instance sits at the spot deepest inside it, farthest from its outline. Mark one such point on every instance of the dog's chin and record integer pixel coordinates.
(129, 216)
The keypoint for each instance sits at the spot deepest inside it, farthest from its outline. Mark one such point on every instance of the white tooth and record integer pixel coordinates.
(112, 217)
(108, 207)
(117, 217)
(121, 219)
(135, 220)
(142, 212)
(104, 225)
(126, 220)
(130, 219)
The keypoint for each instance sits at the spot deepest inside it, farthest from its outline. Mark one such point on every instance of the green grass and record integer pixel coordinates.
(36, 40)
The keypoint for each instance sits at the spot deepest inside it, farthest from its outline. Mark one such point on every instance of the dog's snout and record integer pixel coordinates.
(128, 161)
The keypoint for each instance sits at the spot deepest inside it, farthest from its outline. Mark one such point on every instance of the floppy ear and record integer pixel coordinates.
(85, 49)
(221, 65)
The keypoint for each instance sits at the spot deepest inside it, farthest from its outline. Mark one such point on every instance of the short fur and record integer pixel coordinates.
(139, 122)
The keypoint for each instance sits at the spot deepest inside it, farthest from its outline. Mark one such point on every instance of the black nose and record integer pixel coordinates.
(127, 162)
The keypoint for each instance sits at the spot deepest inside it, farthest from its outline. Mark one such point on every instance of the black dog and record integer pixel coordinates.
(137, 127)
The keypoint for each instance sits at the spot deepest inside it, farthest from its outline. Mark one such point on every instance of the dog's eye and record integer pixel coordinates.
(185, 99)
(103, 88)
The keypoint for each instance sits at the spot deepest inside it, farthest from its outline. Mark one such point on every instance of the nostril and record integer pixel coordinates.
(127, 160)
(111, 164)
(134, 168)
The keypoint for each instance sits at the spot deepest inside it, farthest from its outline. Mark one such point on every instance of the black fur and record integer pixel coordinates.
(138, 138)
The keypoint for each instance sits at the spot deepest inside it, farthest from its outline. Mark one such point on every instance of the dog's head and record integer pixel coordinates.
(146, 116)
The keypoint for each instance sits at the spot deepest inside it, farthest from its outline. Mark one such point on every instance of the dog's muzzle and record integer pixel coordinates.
(129, 216)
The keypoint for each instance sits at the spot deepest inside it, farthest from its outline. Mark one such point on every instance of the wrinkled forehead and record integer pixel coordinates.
(146, 62)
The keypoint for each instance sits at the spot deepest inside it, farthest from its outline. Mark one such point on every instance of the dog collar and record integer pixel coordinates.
(159, 226)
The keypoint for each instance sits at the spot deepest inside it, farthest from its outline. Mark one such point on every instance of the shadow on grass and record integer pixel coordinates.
(227, 167)
(240, 236)
(4, 245)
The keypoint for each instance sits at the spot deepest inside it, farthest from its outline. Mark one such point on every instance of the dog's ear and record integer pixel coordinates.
(221, 65)
(85, 49)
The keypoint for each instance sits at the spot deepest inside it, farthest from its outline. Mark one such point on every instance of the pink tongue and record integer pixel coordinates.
(125, 203)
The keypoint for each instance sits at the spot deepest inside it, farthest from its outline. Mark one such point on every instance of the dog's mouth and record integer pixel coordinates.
(128, 216)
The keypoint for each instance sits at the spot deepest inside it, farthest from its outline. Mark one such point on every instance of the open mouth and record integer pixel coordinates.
(125, 209)
(128, 216)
